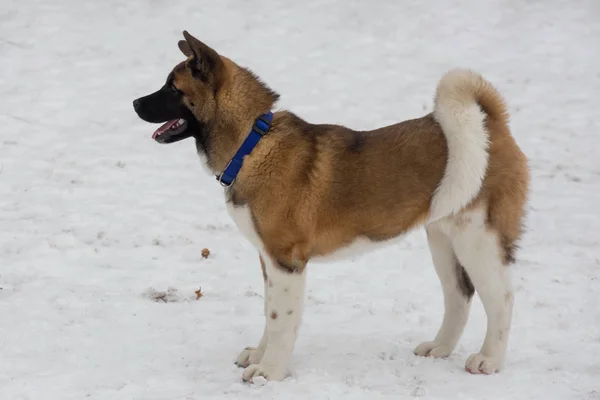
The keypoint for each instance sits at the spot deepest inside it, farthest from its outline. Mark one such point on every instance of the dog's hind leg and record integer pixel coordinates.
(253, 355)
(284, 306)
(458, 291)
(478, 248)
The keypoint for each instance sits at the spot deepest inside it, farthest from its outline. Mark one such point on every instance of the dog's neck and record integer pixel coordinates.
(243, 101)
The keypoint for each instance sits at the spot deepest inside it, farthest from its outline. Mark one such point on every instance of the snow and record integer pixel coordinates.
(95, 217)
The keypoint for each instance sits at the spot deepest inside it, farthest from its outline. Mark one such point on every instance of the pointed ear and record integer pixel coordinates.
(206, 63)
(185, 48)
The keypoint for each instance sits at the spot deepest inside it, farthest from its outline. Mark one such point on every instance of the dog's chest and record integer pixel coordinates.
(242, 217)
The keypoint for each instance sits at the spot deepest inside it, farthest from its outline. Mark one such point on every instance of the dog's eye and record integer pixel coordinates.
(174, 89)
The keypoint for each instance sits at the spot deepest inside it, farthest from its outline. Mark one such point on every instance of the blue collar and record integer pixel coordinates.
(261, 126)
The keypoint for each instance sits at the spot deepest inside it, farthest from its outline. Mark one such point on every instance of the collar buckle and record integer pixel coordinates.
(220, 177)
(261, 130)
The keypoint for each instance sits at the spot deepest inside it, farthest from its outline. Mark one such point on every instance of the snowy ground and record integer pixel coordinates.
(94, 214)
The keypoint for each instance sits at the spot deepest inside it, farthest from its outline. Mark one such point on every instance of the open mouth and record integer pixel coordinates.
(172, 131)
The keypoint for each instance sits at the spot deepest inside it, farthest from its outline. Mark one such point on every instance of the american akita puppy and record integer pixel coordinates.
(300, 192)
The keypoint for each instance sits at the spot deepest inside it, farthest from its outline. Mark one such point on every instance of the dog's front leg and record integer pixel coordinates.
(285, 299)
(253, 355)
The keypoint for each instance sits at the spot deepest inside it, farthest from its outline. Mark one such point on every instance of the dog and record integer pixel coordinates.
(300, 192)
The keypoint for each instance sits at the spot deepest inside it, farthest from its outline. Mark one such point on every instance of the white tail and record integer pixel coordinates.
(463, 101)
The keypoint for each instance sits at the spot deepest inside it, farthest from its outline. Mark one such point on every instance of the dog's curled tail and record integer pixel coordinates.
(464, 101)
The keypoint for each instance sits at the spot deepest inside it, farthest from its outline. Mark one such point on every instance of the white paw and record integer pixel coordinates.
(250, 355)
(480, 364)
(269, 372)
(433, 349)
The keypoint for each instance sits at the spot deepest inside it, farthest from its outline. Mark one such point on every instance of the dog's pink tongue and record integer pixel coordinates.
(165, 127)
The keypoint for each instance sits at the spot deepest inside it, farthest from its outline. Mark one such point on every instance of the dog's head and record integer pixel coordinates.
(208, 97)
(187, 102)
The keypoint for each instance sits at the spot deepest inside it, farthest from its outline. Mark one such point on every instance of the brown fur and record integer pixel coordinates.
(505, 188)
(464, 282)
(304, 200)
(263, 268)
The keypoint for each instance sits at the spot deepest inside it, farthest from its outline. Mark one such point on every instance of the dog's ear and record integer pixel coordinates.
(206, 62)
(185, 48)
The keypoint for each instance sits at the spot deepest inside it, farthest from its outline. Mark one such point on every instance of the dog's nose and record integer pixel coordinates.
(136, 104)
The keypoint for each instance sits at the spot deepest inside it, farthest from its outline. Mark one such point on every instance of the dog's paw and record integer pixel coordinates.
(433, 349)
(270, 373)
(250, 355)
(480, 364)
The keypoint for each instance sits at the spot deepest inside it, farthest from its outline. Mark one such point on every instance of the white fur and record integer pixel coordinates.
(478, 250)
(243, 220)
(284, 309)
(359, 247)
(456, 304)
(462, 121)
(253, 355)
